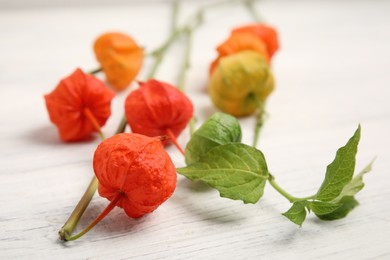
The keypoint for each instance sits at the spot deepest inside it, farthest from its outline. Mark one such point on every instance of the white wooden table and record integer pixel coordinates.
(332, 72)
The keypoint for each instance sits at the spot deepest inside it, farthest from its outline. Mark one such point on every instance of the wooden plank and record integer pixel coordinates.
(331, 73)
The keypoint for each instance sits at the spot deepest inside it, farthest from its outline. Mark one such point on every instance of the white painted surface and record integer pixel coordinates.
(332, 73)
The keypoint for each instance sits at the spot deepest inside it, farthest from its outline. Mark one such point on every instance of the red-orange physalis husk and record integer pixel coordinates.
(120, 58)
(158, 108)
(74, 97)
(240, 42)
(265, 33)
(137, 169)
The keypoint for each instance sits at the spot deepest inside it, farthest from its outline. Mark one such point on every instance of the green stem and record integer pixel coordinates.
(175, 14)
(67, 236)
(288, 196)
(260, 119)
(186, 61)
(190, 26)
(95, 71)
(81, 206)
(183, 71)
(261, 115)
(188, 29)
(158, 54)
(74, 218)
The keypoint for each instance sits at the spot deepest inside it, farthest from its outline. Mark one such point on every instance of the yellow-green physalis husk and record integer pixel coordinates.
(241, 83)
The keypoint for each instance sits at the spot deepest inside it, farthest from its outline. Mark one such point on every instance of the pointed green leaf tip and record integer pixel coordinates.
(339, 173)
(297, 212)
(236, 170)
(346, 199)
(219, 129)
(339, 188)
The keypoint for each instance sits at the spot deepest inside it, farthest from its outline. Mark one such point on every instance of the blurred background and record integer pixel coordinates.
(64, 3)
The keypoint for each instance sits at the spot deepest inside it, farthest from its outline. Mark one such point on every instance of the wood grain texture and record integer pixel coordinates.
(332, 73)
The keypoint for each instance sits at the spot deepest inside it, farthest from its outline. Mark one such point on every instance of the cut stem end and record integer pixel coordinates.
(74, 218)
(66, 236)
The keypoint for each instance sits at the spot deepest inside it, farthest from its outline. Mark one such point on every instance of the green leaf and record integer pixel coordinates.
(236, 170)
(297, 213)
(352, 188)
(339, 173)
(348, 203)
(219, 129)
(322, 208)
(345, 200)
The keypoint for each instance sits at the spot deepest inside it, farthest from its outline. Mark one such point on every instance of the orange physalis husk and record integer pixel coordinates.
(134, 171)
(240, 42)
(157, 109)
(76, 100)
(265, 33)
(120, 58)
